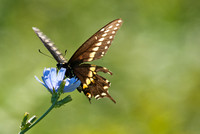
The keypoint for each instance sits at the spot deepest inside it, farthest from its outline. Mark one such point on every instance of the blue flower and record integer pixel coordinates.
(52, 80)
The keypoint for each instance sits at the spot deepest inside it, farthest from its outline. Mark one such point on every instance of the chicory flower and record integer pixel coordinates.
(52, 80)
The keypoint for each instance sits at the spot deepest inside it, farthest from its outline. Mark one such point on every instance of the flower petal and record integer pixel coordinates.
(61, 74)
(72, 85)
(48, 84)
(46, 71)
(46, 79)
(60, 77)
(40, 81)
(53, 77)
(72, 80)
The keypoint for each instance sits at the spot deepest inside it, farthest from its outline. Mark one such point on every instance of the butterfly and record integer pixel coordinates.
(92, 84)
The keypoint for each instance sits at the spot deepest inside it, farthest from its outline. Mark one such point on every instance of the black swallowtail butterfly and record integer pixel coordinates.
(94, 48)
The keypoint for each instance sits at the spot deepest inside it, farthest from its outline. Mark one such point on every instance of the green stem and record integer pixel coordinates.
(52, 106)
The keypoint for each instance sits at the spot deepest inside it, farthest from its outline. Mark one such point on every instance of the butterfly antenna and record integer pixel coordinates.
(65, 52)
(44, 54)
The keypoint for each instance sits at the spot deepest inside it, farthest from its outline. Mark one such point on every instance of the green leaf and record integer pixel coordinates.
(63, 101)
(23, 123)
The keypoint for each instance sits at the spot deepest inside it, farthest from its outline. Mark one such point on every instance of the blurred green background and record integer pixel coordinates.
(154, 58)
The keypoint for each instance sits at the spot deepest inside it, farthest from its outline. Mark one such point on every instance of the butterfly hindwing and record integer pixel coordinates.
(97, 45)
(97, 91)
(93, 85)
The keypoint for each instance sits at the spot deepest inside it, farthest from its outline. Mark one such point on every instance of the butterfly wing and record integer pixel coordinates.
(93, 85)
(97, 45)
(50, 46)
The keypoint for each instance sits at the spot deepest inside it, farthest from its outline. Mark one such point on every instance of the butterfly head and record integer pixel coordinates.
(69, 71)
(60, 65)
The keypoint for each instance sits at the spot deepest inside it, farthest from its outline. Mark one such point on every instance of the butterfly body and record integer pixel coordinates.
(69, 71)
(92, 84)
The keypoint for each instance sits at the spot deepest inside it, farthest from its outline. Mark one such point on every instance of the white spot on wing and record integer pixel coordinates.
(119, 21)
(92, 54)
(106, 47)
(117, 24)
(105, 68)
(99, 44)
(105, 87)
(92, 68)
(89, 96)
(101, 39)
(90, 74)
(92, 80)
(107, 30)
(102, 29)
(103, 94)
(110, 37)
(97, 96)
(115, 28)
(113, 32)
(90, 59)
(109, 73)
(95, 49)
(87, 81)
(110, 26)
(108, 42)
(104, 34)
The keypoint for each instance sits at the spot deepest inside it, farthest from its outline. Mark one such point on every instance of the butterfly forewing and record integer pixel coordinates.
(97, 45)
(50, 46)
